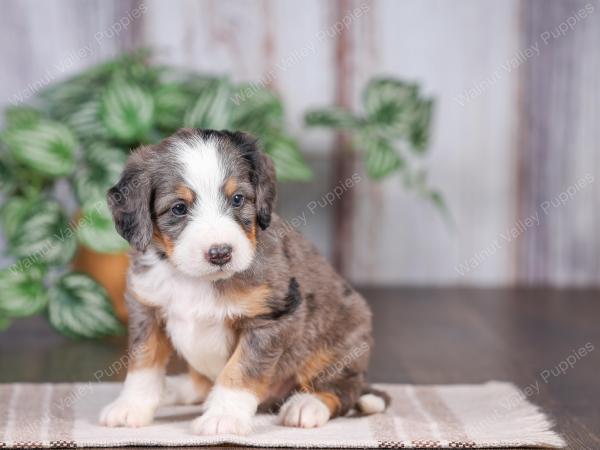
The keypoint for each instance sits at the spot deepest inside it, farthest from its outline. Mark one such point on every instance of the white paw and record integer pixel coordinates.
(305, 411)
(126, 412)
(180, 390)
(209, 424)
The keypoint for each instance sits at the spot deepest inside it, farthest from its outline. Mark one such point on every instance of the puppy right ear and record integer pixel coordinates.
(129, 202)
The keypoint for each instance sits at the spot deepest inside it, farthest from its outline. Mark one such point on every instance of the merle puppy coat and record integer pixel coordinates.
(260, 317)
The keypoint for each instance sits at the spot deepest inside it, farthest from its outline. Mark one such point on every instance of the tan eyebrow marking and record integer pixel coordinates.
(230, 186)
(186, 194)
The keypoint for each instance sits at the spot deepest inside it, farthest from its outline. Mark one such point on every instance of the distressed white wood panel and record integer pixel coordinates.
(560, 167)
(449, 48)
(45, 42)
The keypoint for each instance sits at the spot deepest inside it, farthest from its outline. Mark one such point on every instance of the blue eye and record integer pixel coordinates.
(180, 209)
(237, 200)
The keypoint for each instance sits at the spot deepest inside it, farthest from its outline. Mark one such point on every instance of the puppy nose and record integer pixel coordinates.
(219, 254)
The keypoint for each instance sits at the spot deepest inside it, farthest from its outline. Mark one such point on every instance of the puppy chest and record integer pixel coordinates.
(205, 344)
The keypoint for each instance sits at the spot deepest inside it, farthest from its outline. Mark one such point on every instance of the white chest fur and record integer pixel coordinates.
(194, 312)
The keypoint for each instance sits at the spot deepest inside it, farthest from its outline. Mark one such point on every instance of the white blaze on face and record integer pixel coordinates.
(209, 222)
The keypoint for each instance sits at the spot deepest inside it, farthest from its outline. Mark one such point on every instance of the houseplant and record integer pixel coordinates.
(390, 131)
(71, 142)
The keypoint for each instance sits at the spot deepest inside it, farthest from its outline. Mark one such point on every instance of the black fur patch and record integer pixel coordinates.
(287, 305)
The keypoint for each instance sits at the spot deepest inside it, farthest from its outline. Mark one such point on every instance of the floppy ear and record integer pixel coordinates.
(263, 177)
(129, 202)
(265, 189)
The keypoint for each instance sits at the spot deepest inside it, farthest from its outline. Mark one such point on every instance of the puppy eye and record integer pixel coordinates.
(180, 209)
(237, 200)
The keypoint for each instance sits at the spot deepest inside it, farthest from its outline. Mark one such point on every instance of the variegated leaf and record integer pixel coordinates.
(127, 112)
(22, 292)
(86, 122)
(7, 177)
(213, 108)
(80, 308)
(390, 107)
(289, 162)
(43, 235)
(14, 213)
(99, 171)
(46, 147)
(332, 117)
(381, 159)
(21, 116)
(256, 109)
(172, 101)
(96, 229)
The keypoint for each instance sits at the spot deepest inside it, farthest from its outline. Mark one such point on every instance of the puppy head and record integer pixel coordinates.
(197, 199)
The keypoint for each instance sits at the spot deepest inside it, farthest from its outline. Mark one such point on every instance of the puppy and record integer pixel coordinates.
(260, 317)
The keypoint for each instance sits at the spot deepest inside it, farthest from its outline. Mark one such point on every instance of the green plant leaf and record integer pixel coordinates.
(86, 122)
(21, 116)
(96, 229)
(289, 162)
(4, 322)
(256, 109)
(213, 108)
(22, 292)
(46, 147)
(7, 177)
(99, 171)
(381, 159)
(171, 100)
(127, 112)
(392, 107)
(418, 135)
(41, 234)
(331, 117)
(14, 213)
(80, 308)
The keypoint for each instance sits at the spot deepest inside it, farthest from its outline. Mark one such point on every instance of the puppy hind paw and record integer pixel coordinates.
(304, 411)
(181, 390)
(221, 424)
(127, 413)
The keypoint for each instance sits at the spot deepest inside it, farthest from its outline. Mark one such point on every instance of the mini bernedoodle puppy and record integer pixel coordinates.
(259, 316)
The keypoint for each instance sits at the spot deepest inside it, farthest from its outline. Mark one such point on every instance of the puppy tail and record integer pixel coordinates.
(372, 401)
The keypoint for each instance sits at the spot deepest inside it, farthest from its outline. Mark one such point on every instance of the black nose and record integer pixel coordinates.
(219, 254)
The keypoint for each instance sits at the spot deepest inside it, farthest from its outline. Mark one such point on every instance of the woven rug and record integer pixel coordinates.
(456, 416)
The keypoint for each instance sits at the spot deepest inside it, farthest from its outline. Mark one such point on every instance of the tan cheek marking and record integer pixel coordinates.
(185, 194)
(230, 186)
(251, 235)
(164, 241)
(154, 352)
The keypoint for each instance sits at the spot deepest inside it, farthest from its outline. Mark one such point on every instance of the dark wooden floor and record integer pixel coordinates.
(421, 336)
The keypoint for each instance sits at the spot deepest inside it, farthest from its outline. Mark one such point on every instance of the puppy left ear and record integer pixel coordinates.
(263, 177)
(265, 189)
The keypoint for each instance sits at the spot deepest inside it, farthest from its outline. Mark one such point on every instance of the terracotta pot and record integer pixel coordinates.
(109, 270)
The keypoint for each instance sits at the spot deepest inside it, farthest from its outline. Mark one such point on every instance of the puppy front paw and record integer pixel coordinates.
(304, 411)
(211, 424)
(126, 412)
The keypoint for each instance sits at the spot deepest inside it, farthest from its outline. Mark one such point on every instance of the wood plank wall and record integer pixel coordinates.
(511, 131)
